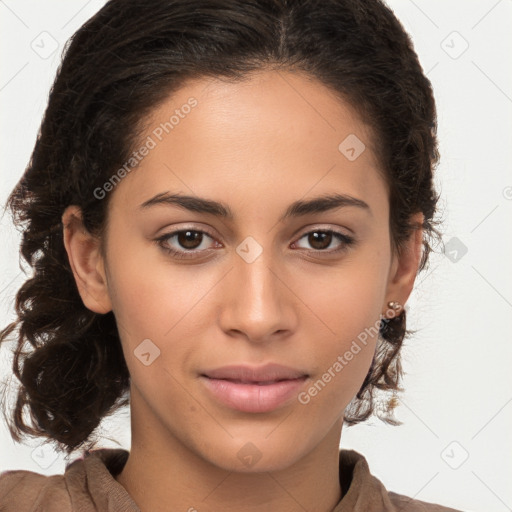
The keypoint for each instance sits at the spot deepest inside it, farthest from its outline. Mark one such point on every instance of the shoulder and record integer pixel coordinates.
(88, 480)
(22, 491)
(364, 492)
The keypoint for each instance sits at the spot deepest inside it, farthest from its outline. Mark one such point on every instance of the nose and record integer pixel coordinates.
(257, 300)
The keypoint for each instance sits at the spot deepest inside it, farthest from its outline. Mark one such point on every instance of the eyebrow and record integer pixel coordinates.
(297, 209)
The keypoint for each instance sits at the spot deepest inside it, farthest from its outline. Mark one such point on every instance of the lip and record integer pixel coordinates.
(254, 389)
(252, 374)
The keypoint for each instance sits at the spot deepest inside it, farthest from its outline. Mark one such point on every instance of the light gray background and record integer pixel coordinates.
(455, 445)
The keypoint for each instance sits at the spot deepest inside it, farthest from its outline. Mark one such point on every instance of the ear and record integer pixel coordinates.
(404, 267)
(86, 261)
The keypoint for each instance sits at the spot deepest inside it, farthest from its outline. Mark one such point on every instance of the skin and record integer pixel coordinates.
(256, 146)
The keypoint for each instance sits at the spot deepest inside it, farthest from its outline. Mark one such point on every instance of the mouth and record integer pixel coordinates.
(258, 383)
(254, 390)
(271, 372)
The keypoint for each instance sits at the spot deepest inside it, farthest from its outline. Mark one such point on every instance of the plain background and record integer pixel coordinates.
(454, 446)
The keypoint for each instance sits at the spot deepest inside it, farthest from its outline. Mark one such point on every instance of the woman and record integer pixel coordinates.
(226, 209)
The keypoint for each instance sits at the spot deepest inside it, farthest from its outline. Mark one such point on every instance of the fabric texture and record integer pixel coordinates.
(88, 485)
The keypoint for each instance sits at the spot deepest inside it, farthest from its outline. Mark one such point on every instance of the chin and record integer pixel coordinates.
(255, 454)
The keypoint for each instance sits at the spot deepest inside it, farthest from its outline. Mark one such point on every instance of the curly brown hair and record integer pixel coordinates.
(119, 66)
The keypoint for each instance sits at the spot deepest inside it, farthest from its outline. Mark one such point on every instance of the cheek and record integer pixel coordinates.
(349, 299)
(163, 303)
(149, 295)
(342, 365)
(348, 305)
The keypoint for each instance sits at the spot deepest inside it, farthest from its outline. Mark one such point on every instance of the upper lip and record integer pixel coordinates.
(267, 373)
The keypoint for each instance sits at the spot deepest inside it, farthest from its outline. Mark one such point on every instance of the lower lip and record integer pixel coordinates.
(253, 397)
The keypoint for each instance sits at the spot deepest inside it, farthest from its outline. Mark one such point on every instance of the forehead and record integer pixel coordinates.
(274, 131)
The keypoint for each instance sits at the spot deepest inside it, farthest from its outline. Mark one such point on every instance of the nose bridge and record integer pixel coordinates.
(257, 305)
(255, 274)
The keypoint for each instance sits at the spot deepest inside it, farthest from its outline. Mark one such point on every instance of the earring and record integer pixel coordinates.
(394, 305)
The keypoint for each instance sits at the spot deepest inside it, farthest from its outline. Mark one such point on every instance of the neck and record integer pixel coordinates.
(163, 473)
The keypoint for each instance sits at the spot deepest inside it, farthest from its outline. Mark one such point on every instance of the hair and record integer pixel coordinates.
(116, 69)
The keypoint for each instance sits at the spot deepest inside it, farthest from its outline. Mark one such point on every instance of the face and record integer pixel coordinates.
(248, 281)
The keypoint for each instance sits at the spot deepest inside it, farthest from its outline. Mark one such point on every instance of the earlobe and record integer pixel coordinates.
(405, 266)
(86, 261)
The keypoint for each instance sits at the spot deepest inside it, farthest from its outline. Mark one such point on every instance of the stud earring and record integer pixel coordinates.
(394, 305)
(392, 312)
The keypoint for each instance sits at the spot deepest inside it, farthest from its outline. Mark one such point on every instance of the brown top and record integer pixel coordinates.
(88, 485)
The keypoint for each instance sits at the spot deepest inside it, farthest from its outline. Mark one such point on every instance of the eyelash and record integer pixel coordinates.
(346, 240)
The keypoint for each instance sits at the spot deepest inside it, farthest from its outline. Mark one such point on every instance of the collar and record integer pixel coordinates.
(96, 470)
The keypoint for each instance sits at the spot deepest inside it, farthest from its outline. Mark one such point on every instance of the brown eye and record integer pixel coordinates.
(320, 240)
(185, 243)
(189, 239)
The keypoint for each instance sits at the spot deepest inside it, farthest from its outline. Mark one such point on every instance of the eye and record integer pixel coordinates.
(187, 243)
(321, 239)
